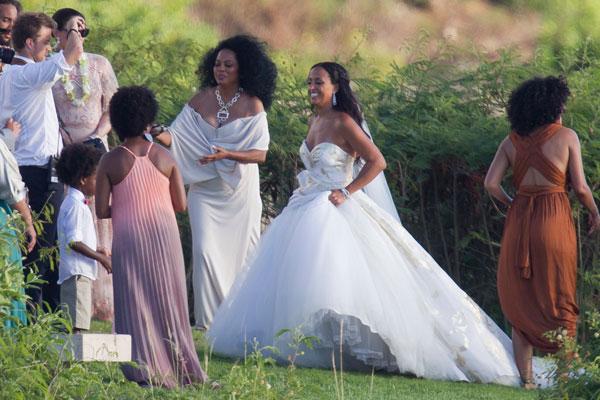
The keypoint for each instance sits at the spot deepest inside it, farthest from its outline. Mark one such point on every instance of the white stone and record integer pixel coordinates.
(96, 347)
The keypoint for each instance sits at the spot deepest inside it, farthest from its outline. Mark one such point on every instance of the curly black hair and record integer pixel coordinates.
(257, 72)
(345, 99)
(537, 102)
(131, 110)
(77, 161)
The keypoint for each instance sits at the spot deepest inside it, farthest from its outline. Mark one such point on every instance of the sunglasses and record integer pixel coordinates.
(83, 32)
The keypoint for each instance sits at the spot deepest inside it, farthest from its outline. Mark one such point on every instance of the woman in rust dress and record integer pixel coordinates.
(537, 269)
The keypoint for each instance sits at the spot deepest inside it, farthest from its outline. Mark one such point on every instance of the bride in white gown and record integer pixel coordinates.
(334, 255)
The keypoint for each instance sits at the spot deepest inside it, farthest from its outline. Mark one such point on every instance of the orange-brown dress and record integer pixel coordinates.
(537, 271)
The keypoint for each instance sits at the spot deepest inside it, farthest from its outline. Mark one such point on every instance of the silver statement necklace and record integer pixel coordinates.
(223, 113)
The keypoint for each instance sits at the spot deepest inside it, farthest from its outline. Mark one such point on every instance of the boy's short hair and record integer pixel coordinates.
(77, 161)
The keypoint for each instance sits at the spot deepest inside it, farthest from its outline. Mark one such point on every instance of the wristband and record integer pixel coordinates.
(345, 192)
(158, 129)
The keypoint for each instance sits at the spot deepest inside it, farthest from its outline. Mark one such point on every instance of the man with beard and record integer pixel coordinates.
(9, 11)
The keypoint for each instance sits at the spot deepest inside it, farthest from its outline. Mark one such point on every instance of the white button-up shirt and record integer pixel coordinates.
(75, 224)
(26, 95)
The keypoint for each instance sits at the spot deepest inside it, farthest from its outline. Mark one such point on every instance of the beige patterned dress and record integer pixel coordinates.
(79, 124)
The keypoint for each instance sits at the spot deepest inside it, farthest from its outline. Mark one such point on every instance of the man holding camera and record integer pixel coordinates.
(26, 94)
(9, 11)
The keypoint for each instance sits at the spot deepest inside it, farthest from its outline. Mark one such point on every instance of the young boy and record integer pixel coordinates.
(77, 269)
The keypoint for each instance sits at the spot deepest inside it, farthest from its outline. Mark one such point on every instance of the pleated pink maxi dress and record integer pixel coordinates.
(149, 280)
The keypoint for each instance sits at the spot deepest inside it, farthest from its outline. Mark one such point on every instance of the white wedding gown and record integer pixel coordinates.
(318, 265)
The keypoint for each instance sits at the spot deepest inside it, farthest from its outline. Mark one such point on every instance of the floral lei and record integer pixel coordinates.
(86, 88)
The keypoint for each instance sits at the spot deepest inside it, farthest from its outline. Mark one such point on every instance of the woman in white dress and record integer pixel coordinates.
(218, 140)
(339, 267)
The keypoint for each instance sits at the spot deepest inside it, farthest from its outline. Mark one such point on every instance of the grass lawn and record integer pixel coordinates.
(311, 383)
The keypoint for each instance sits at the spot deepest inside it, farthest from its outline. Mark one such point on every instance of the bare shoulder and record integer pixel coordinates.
(253, 105)
(507, 147)
(567, 135)
(161, 154)
(346, 125)
(200, 97)
(506, 144)
(113, 161)
(111, 157)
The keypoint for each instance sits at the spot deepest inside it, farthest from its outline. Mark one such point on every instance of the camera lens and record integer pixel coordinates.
(6, 55)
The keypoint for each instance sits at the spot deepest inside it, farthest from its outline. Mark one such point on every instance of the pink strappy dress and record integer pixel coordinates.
(149, 279)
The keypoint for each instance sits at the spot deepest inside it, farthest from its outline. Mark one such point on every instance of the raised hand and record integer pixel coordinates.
(74, 48)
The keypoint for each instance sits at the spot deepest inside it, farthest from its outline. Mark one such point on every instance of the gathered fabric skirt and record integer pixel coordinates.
(225, 228)
(546, 301)
(355, 279)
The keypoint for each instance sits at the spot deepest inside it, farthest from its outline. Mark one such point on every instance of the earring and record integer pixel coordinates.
(334, 100)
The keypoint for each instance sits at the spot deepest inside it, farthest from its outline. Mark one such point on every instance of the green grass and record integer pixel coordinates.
(314, 383)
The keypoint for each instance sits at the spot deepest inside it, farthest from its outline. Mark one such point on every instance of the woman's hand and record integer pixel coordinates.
(594, 223)
(337, 197)
(219, 154)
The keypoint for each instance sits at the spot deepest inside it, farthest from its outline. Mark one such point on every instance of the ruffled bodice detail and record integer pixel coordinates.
(328, 167)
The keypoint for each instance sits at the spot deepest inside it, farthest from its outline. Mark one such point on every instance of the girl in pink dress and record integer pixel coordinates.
(148, 271)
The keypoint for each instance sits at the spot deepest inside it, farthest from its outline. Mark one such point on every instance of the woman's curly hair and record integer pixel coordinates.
(537, 102)
(77, 161)
(257, 72)
(131, 110)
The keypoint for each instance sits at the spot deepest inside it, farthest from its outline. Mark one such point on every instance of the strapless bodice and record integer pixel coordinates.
(327, 165)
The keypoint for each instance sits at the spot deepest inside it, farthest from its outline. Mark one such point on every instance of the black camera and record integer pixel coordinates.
(6, 55)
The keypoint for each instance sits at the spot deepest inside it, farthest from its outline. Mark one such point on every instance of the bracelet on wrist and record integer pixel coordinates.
(345, 192)
(157, 130)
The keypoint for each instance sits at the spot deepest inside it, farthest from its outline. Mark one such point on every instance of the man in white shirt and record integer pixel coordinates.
(26, 94)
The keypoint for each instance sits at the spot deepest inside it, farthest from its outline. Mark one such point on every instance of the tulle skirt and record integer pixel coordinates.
(353, 277)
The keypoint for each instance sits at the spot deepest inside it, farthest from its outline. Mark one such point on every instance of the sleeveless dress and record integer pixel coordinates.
(537, 268)
(149, 280)
(354, 276)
